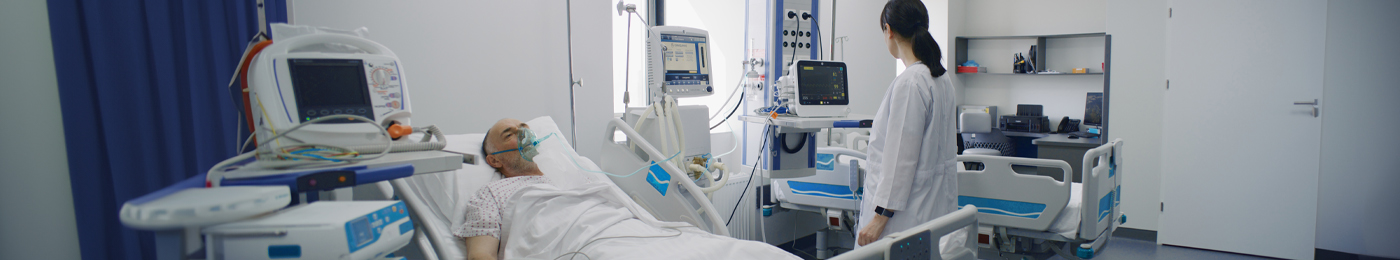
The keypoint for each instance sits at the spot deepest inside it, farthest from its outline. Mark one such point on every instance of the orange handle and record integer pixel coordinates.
(396, 131)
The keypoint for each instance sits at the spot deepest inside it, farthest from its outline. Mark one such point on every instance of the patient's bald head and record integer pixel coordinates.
(503, 136)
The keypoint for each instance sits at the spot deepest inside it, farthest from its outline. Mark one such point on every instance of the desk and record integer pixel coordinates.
(1058, 147)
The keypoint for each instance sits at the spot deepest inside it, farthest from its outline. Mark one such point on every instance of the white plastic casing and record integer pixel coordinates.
(204, 206)
(320, 230)
(818, 110)
(274, 101)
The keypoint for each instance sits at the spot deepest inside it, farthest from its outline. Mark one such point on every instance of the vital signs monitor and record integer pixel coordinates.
(822, 88)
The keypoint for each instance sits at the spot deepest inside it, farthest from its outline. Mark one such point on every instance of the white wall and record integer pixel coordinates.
(866, 55)
(1059, 95)
(36, 214)
(1138, 85)
(470, 63)
(1356, 204)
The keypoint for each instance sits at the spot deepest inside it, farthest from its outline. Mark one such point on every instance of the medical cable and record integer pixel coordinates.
(816, 29)
(745, 191)
(795, 37)
(736, 90)
(736, 141)
(215, 174)
(585, 245)
(793, 245)
(762, 228)
(782, 140)
(731, 114)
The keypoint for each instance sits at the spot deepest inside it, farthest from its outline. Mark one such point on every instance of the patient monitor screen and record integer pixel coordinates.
(330, 87)
(684, 58)
(822, 83)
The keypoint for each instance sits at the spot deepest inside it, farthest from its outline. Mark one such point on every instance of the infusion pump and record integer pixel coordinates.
(306, 77)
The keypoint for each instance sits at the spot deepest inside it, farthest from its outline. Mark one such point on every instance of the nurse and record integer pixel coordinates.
(913, 146)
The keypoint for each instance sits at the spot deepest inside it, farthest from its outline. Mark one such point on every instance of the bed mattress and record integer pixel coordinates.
(1067, 223)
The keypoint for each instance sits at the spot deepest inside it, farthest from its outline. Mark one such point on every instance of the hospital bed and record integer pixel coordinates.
(437, 201)
(1032, 216)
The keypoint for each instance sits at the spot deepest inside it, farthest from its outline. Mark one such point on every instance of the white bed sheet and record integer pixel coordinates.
(546, 222)
(448, 192)
(1067, 223)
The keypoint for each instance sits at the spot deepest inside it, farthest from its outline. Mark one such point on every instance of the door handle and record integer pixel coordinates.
(1306, 103)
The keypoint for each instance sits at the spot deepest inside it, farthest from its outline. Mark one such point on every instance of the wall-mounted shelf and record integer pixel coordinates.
(960, 54)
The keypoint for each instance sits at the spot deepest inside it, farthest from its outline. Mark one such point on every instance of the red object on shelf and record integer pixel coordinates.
(966, 69)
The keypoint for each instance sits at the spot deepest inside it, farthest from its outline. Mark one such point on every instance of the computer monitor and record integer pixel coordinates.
(822, 88)
(678, 62)
(1093, 109)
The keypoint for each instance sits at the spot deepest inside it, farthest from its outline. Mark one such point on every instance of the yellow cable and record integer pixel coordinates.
(267, 118)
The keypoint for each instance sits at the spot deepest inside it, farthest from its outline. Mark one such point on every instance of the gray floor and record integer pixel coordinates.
(1118, 248)
(1127, 248)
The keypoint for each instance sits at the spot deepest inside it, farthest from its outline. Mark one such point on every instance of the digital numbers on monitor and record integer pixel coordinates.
(822, 84)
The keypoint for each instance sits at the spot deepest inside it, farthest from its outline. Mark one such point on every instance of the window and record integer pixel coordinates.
(725, 26)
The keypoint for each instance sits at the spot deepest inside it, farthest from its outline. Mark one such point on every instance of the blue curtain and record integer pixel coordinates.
(143, 88)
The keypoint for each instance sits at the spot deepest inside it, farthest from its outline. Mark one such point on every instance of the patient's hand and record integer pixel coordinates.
(482, 247)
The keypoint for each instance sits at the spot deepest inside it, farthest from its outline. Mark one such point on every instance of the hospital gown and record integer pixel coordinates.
(913, 153)
(484, 209)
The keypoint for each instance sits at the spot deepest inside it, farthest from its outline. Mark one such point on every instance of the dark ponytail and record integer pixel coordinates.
(909, 18)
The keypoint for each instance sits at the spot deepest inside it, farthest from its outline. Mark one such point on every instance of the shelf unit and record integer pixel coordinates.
(960, 54)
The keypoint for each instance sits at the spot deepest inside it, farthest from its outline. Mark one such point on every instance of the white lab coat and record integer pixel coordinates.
(912, 153)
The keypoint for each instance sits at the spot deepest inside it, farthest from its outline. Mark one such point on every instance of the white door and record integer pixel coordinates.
(1240, 160)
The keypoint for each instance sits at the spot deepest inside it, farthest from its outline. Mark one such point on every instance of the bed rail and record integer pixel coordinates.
(964, 219)
(682, 200)
(1102, 189)
(1009, 199)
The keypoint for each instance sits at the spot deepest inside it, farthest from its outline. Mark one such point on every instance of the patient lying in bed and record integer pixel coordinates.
(524, 216)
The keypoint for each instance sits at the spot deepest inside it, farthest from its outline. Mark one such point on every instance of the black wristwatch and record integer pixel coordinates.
(884, 212)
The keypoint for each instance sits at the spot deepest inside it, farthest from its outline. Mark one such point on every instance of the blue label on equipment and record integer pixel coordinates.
(826, 162)
(659, 179)
(366, 229)
(283, 251)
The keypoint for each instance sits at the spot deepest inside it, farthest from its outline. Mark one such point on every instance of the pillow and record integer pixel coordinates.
(554, 161)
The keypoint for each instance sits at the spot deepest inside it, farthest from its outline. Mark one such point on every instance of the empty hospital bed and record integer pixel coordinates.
(1026, 216)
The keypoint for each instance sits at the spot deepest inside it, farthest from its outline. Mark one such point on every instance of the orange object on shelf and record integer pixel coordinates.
(1080, 70)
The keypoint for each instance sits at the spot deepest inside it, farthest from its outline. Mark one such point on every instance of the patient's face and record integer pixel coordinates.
(504, 136)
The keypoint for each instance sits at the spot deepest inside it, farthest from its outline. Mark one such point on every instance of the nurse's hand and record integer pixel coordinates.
(871, 232)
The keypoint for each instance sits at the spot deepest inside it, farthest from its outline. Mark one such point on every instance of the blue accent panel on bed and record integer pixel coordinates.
(821, 190)
(1106, 204)
(1112, 167)
(826, 162)
(1003, 207)
(1118, 196)
(659, 179)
